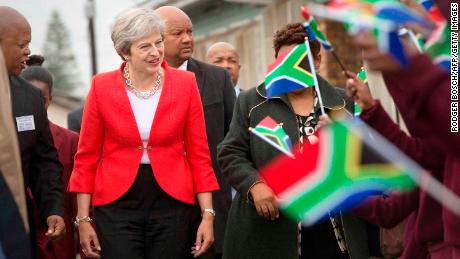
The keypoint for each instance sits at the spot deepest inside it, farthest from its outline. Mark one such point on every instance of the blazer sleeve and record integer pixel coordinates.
(49, 187)
(196, 144)
(229, 100)
(424, 152)
(234, 154)
(89, 146)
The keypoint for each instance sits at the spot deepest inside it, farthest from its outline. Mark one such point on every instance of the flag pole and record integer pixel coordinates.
(344, 69)
(315, 79)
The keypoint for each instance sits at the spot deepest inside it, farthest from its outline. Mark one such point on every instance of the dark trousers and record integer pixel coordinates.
(145, 223)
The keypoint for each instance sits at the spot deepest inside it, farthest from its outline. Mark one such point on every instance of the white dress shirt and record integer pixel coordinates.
(183, 66)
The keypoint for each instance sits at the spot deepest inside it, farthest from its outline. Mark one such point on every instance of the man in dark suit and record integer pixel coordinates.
(217, 95)
(74, 119)
(40, 165)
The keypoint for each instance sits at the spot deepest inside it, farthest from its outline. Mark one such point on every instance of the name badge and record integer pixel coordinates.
(25, 123)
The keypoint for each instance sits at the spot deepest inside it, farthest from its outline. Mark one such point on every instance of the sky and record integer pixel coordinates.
(38, 13)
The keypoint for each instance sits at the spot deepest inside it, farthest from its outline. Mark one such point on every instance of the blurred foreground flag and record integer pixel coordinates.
(438, 45)
(341, 170)
(382, 17)
(290, 71)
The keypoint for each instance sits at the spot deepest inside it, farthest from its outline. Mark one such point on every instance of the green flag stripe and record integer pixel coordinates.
(316, 199)
(333, 178)
(290, 67)
(276, 134)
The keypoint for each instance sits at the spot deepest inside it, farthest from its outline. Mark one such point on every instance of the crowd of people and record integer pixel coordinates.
(159, 163)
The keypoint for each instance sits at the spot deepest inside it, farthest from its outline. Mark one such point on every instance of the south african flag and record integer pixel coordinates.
(291, 71)
(313, 31)
(338, 172)
(274, 134)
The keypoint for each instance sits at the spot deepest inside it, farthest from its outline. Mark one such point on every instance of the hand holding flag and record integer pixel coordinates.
(342, 169)
(384, 18)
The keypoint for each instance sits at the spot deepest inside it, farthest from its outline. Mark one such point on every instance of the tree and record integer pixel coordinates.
(59, 58)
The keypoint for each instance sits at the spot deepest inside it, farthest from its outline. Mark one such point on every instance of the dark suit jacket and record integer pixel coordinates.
(218, 97)
(40, 164)
(74, 119)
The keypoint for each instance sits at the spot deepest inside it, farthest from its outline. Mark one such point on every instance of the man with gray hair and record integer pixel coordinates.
(224, 54)
(40, 164)
(217, 97)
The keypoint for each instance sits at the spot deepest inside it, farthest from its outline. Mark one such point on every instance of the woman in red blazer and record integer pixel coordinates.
(143, 154)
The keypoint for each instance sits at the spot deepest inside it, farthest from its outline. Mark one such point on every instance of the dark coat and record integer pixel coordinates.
(74, 119)
(40, 165)
(218, 98)
(241, 154)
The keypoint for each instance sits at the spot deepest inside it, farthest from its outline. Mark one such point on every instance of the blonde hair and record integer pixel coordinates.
(132, 25)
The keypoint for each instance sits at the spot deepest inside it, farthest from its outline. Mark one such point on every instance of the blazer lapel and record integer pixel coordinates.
(194, 67)
(17, 93)
(125, 111)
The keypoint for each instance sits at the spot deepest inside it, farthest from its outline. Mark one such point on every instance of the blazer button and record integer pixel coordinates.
(149, 148)
(140, 147)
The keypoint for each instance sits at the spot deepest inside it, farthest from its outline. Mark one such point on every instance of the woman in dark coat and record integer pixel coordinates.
(255, 228)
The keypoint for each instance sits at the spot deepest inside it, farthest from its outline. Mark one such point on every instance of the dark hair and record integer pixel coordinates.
(36, 72)
(35, 60)
(293, 33)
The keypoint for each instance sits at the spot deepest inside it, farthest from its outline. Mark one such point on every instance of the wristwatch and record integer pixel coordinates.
(82, 219)
(211, 211)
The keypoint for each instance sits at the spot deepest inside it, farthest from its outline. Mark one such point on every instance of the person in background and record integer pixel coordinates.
(256, 229)
(40, 165)
(224, 54)
(423, 213)
(217, 97)
(421, 91)
(143, 158)
(66, 142)
(74, 119)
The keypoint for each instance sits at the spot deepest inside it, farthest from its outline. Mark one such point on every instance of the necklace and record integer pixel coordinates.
(141, 94)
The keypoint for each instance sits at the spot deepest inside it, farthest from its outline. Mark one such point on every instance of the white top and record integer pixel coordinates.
(237, 90)
(183, 66)
(144, 112)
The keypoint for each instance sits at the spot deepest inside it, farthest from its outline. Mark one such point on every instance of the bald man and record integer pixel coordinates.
(217, 95)
(224, 54)
(40, 164)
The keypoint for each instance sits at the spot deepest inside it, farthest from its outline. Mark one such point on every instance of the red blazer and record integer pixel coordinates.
(110, 147)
